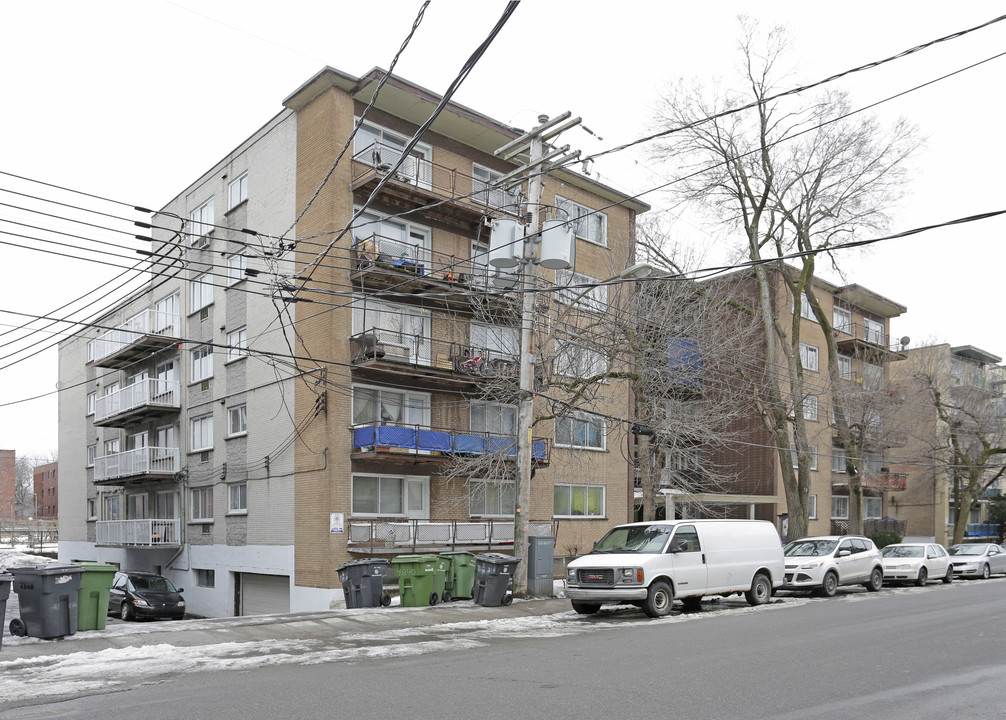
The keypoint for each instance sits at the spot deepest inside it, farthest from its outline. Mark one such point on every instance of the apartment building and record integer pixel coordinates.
(45, 486)
(296, 388)
(8, 481)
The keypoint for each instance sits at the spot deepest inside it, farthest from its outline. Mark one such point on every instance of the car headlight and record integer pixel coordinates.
(140, 601)
(571, 574)
(811, 565)
(632, 575)
(181, 603)
(903, 566)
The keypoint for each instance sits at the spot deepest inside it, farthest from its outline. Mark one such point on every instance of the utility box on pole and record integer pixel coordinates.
(540, 565)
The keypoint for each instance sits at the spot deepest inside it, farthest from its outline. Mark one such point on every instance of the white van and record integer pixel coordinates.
(648, 564)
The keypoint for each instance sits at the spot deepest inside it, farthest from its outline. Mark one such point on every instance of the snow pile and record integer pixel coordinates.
(16, 558)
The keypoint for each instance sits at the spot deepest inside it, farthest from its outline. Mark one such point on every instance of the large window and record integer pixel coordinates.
(237, 420)
(491, 498)
(393, 241)
(573, 360)
(237, 192)
(399, 331)
(237, 498)
(583, 289)
(202, 292)
(382, 148)
(873, 508)
(237, 344)
(841, 318)
(839, 507)
(874, 331)
(588, 224)
(236, 266)
(393, 495)
(578, 501)
(499, 341)
(202, 363)
(808, 357)
(580, 431)
(201, 222)
(202, 504)
(390, 407)
(202, 433)
(494, 418)
(813, 457)
(482, 180)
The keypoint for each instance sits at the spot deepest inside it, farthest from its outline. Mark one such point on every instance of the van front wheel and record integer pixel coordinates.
(584, 608)
(659, 598)
(760, 592)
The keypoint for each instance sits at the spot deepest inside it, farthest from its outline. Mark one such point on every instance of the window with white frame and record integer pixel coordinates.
(874, 331)
(202, 363)
(92, 399)
(810, 407)
(813, 456)
(838, 460)
(237, 498)
(237, 191)
(202, 504)
(395, 241)
(403, 332)
(577, 361)
(844, 367)
(201, 292)
(582, 289)
(495, 197)
(812, 507)
(382, 148)
(808, 357)
(237, 344)
(839, 507)
(873, 508)
(202, 433)
(390, 495)
(580, 431)
(497, 499)
(499, 342)
(201, 222)
(841, 318)
(112, 446)
(872, 463)
(109, 506)
(578, 500)
(92, 509)
(494, 418)
(387, 406)
(236, 266)
(806, 311)
(588, 224)
(237, 420)
(92, 451)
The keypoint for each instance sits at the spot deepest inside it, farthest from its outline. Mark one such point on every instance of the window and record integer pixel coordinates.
(810, 407)
(390, 407)
(873, 331)
(92, 451)
(572, 360)
(92, 509)
(382, 148)
(205, 578)
(390, 495)
(578, 501)
(237, 344)
(808, 357)
(806, 311)
(873, 508)
(395, 241)
(403, 333)
(580, 431)
(499, 342)
(92, 398)
(202, 292)
(812, 507)
(491, 498)
(112, 446)
(237, 420)
(109, 507)
(813, 456)
(202, 363)
(237, 192)
(202, 433)
(202, 504)
(841, 318)
(588, 224)
(838, 460)
(839, 507)
(201, 222)
(236, 266)
(482, 179)
(494, 418)
(237, 498)
(871, 463)
(577, 288)
(845, 367)
(873, 376)
(166, 315)
(166, 505)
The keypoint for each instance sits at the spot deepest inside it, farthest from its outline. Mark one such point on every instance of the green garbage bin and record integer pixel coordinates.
(420, 579)
(460, 581)
(47, 596)
(92, 598)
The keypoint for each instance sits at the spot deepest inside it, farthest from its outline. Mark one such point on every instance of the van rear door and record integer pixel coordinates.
(689, 562)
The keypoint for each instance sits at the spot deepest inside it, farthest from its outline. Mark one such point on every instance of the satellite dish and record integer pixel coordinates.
(905, 340)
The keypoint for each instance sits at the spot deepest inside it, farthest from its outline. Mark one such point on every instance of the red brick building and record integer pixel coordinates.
(46, 489)
(7, 483)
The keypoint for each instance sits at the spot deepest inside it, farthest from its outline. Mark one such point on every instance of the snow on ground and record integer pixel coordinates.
(18, 556)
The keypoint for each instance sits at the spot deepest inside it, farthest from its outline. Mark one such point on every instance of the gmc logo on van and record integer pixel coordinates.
(595, 577)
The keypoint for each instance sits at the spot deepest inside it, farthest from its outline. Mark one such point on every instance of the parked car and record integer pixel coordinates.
(823, 563)
(917, 562)
(136, 595)
(977, 559)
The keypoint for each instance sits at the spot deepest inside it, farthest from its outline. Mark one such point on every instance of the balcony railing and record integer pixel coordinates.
(412, 535)
(399, 347)
(145, 461)
(143, 397)
(418, 439)
(138, 533)
(871, 339)
(147, 331)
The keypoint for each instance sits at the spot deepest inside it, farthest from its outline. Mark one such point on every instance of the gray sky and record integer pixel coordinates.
(133, 100)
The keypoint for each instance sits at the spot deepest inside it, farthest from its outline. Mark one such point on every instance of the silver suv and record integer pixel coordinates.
(823, 563)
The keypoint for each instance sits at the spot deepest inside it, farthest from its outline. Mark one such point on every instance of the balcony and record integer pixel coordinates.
(148, 533)
(399, 536)
(432, 362)
(417, 443)
(868, 343)
(445, 193)
(884, 481)
(140, 401)
(146, 463)
(135, 339)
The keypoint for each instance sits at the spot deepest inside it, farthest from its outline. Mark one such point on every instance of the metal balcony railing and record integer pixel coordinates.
(149, 323)
(409, 535)
(420, 439)
(149, 393)
(872, 335)
(138, 462)
(143, 533)
(396, 346)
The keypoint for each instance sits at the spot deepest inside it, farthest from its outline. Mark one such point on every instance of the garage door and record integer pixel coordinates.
(264, 594)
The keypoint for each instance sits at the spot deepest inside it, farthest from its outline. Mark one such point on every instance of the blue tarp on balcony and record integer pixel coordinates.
(470, 444)
(434, 440)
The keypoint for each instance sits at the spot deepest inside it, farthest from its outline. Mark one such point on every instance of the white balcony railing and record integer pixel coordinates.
(150, 532)
(148, 322)
(145, 393)
(142, 461)
(404, 534)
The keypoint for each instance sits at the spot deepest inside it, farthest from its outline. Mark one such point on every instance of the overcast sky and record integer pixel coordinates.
(131, 101)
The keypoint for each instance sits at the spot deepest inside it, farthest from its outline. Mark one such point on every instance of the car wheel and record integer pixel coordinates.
(986, 572)
(659, 598)
(949, 577)
(126, 612)
(923, 576)
(830, 584)
(876, 580)
(584, 608)
(760, 592)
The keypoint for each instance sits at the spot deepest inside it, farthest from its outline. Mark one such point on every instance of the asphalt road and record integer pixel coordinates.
(908, 653)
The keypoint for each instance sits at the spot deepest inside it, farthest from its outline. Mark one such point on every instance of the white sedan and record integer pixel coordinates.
(917, 563)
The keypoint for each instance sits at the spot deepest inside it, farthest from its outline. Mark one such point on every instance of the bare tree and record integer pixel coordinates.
(792, 175)
(25, 501)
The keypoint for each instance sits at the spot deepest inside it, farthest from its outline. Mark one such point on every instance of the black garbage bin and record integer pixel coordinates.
(363, 582)
(493, 576)
(5, 581)
(47, 595)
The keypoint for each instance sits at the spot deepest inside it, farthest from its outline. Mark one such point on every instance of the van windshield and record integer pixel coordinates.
(635, 539)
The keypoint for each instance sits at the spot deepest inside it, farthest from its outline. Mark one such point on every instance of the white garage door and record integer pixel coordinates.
(264, 594)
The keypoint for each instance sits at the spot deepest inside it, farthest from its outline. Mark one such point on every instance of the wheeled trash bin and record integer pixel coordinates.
(420, 579)
(47, 595)
(460, 579)
(92, 598)
(493, 577)
(363, 582)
